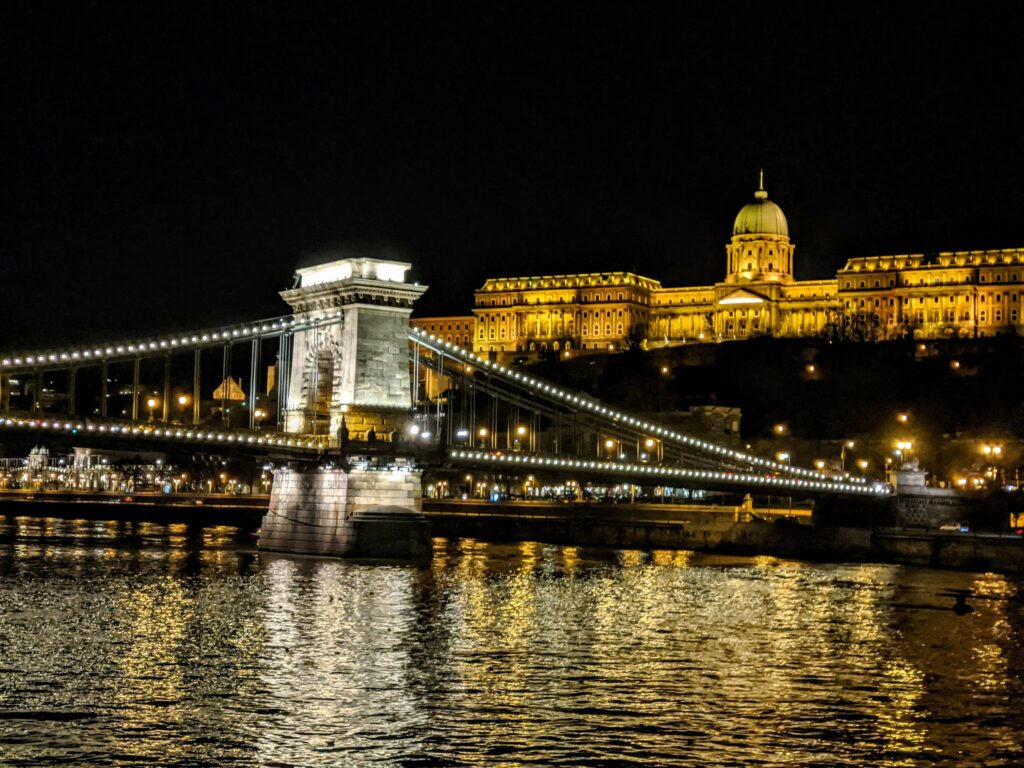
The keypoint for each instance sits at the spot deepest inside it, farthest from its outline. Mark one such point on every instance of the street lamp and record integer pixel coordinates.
(902, 418)
(151, 403)
(782, 457)
(992, 453)
(903, 447)
(848, 445)
(520, 434)
(183, 403)
(482, 432)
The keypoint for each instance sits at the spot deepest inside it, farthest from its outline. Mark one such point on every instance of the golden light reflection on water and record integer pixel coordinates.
(191, 648)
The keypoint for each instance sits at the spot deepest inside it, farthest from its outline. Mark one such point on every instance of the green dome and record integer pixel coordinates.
(761, 217)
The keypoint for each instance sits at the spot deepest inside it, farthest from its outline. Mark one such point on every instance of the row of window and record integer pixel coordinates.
(938, 280)
(505, 302)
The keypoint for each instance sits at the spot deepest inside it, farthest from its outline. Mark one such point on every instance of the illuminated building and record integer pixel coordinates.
(964, 293)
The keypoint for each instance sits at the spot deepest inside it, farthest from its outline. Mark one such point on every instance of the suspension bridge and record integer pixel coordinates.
(344, 385)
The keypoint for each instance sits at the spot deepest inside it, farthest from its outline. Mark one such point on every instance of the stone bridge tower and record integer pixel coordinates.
(353, 364)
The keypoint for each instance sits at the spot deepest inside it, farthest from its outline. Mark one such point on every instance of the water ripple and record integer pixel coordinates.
(134, 644)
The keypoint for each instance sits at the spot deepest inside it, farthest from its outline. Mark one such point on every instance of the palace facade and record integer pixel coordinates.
(963, 293)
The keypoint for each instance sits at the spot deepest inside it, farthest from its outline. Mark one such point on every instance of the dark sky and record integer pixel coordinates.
(166, 165)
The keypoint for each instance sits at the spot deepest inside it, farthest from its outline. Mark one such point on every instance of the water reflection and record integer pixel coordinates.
(179, 645)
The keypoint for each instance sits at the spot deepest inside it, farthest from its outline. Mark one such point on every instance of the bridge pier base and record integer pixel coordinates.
(351, 513)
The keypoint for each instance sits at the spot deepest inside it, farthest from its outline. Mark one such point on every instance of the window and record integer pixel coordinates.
(981, 316)
(999, 315)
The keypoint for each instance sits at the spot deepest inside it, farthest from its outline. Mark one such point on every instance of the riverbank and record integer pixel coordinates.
(779, 532)
(217, 509)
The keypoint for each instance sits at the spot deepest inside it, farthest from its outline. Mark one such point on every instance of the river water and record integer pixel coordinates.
(139, 644)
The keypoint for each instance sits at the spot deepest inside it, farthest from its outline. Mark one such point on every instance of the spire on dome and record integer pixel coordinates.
(761, 194)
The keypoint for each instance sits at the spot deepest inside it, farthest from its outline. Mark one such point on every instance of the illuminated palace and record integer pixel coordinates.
(963, 293)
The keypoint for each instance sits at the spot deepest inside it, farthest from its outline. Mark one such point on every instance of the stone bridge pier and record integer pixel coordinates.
(349, 374)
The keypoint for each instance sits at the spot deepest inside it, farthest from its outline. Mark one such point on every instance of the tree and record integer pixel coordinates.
(636, 337)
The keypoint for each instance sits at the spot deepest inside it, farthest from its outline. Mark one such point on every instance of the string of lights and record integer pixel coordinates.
(302, 445)
(646, 470)
(125, 349)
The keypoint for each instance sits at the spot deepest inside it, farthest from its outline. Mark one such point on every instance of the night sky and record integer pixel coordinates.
(167, 166)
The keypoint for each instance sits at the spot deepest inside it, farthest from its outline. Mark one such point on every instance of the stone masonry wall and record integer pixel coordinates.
(334, 512)
(382, 359)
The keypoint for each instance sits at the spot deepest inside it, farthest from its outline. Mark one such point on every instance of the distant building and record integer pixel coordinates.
(963, 293)
(229, 389)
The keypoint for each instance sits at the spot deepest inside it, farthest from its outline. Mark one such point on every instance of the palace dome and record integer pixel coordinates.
(761, 217)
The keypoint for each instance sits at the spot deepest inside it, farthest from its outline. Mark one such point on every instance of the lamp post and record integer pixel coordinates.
(183, 401)
(520, 434)
(992, 456)
(848, 445)
(482, 432)
(903, 448)
(151, 403)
